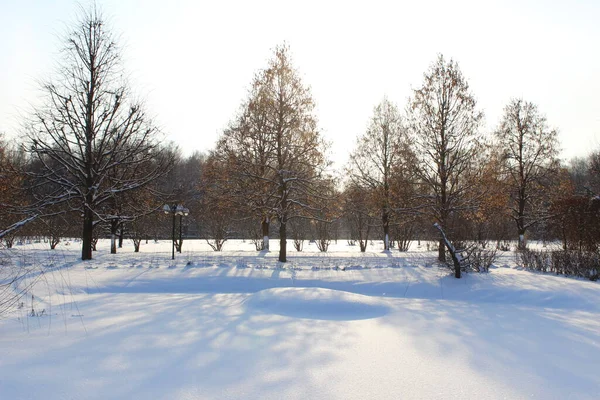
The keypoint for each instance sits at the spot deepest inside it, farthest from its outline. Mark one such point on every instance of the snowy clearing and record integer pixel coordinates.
(337, 325)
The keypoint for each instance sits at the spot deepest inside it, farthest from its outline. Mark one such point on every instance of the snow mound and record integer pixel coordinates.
(316, 303)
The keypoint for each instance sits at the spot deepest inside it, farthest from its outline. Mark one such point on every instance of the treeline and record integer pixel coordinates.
(92, 164)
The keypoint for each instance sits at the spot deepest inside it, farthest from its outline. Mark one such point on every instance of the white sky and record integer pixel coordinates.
(193, 61)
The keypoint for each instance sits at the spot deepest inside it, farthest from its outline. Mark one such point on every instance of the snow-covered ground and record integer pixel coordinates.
(339, 325)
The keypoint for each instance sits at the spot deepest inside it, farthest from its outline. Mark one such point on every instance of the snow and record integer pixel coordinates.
(337, 325)
(315, 303)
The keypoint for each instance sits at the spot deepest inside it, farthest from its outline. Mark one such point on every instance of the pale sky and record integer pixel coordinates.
(193, 61)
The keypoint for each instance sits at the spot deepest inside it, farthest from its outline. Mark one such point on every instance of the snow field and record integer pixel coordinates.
(340, 325)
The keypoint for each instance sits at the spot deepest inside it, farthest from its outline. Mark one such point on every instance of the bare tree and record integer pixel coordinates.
(274, 149)
(93, 141)
(377, 157)
(530, 151)
(444, 122)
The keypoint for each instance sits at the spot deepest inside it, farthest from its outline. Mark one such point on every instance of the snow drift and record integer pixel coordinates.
(316, 303)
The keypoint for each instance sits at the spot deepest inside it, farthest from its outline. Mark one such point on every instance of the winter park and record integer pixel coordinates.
(214, 202)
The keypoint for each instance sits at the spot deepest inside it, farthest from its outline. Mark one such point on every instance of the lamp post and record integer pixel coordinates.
(175, 210)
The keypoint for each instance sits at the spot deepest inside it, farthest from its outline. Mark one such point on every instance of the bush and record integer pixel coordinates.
(403, 234)
(535, 260)
(480, 259)
(323, 244)
(323, 235)
(585, 264)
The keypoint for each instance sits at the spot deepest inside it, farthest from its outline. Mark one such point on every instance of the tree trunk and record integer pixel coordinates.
(522, 244)
(283, 241)
(456, 265)
(87, 235)
(442, 251)
(173, 239)
(363, 245)
(385, 219)
(180, 245)
(114, 226)
(265, 232)
(521, 220)
(121, 234)
(456, 262)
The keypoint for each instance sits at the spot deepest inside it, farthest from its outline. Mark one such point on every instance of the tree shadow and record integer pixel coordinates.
(538, 352)
(157, 346)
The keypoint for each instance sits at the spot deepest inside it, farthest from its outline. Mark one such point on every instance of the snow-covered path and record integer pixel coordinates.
(235, 326)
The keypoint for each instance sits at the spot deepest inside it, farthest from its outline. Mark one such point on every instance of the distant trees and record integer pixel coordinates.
(92, 141)
(184, 185)
(356, 206)
(323, 219)
(11, 194)
(274, 148)
(93, 153)
(573, 208)
(579, 170)
(218, 213)
(530, 151)
(444, 125)
(594, 171)
(576, 221)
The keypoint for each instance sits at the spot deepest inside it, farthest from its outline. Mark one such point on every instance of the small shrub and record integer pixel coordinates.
(323, 244)
(323, 234)
(481, 259)
(259, 244)
(473, 257)
(503, 245)
(298, 244)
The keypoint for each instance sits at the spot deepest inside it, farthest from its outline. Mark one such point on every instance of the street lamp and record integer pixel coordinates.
(175, 210)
